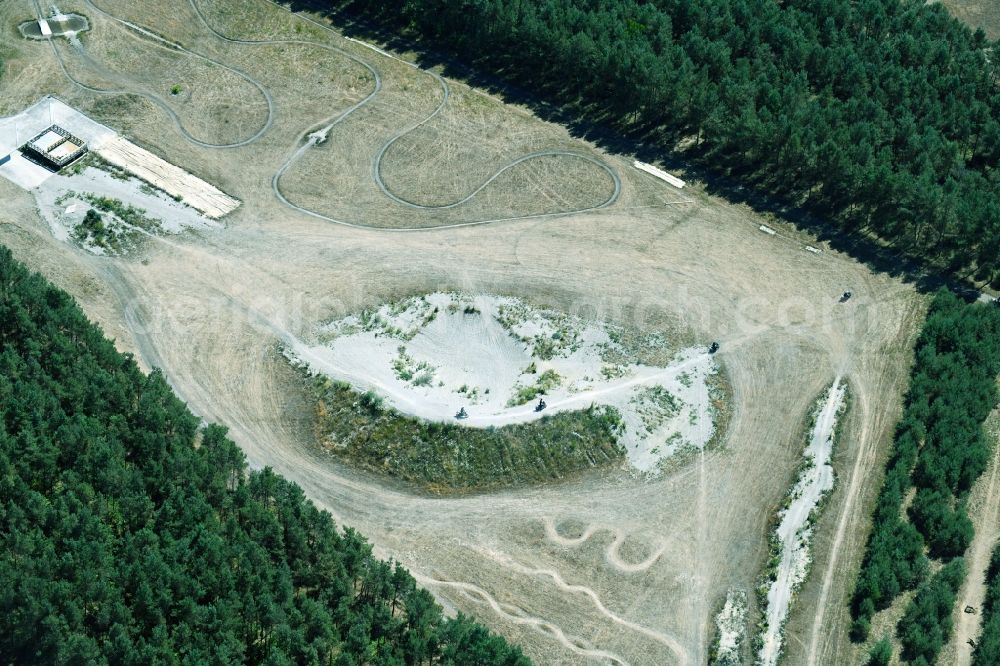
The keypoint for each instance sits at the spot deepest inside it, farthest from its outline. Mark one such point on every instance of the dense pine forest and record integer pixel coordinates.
(130, 534)
(880, 116)
(988, 649)
(940, 449)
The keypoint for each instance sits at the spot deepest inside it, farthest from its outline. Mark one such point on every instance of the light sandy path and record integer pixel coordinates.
(868, 407)
(987, 525)
(611, 553)
(410, 404)
(863, 460)
(312, 137)
(505, 611)
(158, 41)
(680, 652)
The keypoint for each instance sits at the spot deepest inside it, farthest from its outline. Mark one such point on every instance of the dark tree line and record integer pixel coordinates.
(926, 624)
(882, 116)
(130, 534)
(940, 449)
(988, 649)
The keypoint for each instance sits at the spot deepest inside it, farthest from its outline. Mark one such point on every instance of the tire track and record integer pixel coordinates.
(317, 133)
(317, 136)
(611, 553)
(969, 626)
(668, 641)
(159, 101)
(543, 626)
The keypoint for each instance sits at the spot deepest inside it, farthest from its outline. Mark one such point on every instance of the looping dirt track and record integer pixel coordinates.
(330, 122)
(159, 101)
(654, 557)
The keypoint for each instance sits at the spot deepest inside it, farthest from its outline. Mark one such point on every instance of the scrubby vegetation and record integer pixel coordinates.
(130, 215)
(547, 381)
(118, 230)
(882, 115)
(444, 457)
(940, 449)
(130, 534)
(92, 230)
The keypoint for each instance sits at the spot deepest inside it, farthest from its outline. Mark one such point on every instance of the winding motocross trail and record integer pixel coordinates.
(317, 132)
(178, 312)
(477, 593)
(138, 319)
(668, 641)
(611, 553)
(159, 101)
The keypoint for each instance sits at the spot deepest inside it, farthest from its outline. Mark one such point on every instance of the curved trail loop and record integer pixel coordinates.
(318, 136)
(446, 95)
(544, 626)
(663, 639)
(611, 553)
(159, 101)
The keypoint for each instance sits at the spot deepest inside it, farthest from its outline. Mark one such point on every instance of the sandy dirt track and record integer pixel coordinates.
(608, 569)
(984, 509)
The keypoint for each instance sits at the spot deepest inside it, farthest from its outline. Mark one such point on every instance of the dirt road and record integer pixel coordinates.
(210, 308)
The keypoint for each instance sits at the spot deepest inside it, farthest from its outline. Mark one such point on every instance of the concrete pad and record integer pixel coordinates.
(16, 130)
(24, 173)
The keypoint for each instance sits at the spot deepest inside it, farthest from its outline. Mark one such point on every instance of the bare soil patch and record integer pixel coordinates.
(211, 308)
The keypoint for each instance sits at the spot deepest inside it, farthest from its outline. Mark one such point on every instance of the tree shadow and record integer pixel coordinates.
(382, 27)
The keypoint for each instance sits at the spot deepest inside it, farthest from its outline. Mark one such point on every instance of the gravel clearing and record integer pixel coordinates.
(496, 357)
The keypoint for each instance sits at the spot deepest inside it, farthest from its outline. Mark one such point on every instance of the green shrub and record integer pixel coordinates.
(447, 457)
(927, 622)
(881, 653)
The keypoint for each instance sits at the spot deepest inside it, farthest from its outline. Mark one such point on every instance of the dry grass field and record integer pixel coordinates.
(600, 569)
(983, 14)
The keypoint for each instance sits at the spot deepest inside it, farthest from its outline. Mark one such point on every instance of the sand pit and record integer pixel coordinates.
(208, 308)
(496, 357)
(794, 533)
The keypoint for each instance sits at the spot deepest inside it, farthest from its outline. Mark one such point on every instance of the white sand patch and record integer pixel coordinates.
(794, 532)
(62, 202)
(731, 624)
(431, 356)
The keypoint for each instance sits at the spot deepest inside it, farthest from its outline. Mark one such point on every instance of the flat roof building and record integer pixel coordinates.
(55, 148)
